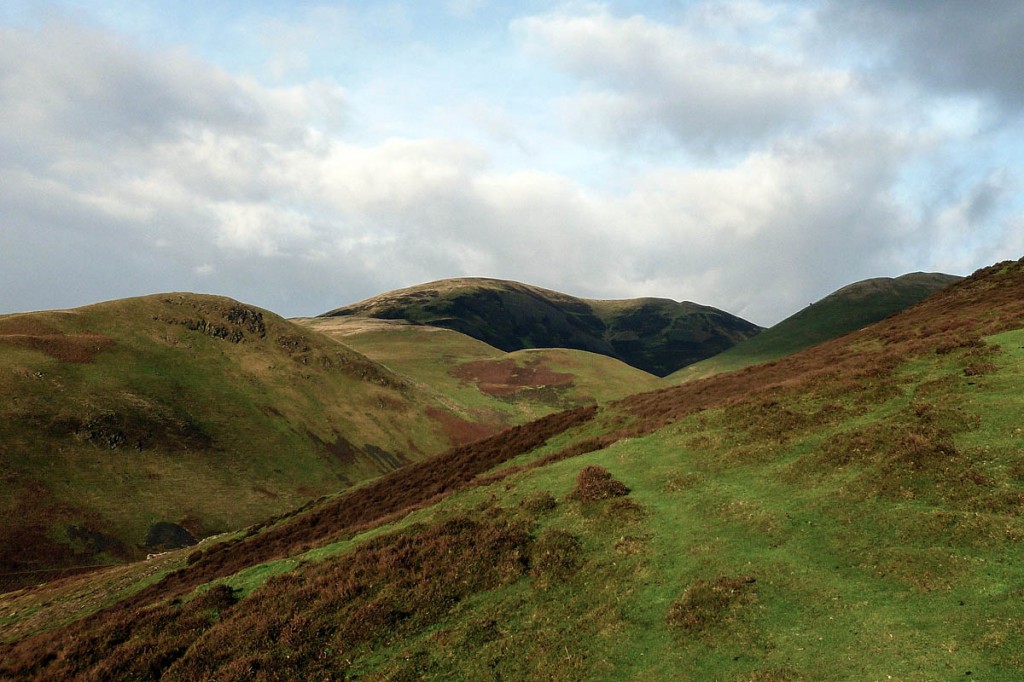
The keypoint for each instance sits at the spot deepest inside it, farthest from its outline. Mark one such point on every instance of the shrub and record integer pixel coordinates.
(708, 603)
(555, 556)
(595, 483)
(219, 597)
(538, 502)
(979, 368)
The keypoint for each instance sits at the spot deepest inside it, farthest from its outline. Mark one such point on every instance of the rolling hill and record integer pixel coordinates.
(513, 387)
(656, 335)
(845, 310)
(850, 511)
(131, 426)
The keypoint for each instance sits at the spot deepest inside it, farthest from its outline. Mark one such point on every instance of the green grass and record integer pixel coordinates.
(845, 585)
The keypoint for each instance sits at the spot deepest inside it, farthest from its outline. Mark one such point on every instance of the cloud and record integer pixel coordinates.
(125, 171)
(73, 82)
(952, 46)
(640, 76)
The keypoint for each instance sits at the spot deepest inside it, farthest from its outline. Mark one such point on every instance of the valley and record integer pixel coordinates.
(850, 510)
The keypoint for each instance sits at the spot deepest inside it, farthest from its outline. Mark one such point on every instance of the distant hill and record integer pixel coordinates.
(653, 334)
(514, 386)
(843, 311)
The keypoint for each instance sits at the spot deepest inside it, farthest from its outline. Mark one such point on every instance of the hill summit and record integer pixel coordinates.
(843, 311)
(657, 335)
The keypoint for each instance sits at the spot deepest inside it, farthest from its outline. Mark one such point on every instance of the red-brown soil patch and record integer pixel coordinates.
(36, 335)
(460, 431)
(505, 377)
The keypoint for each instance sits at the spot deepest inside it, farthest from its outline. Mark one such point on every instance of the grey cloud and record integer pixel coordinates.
(956, 46)
(77, 84)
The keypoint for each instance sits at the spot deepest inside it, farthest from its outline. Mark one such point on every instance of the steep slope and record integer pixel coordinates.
(513, 386)
(845, 310)
(852, 511)
(130, 426)
(655, 335)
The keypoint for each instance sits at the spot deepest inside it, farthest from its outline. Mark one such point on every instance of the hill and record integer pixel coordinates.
(132, 426)
(845, 310)
(851, 511)
(513, 387)
(656, 335)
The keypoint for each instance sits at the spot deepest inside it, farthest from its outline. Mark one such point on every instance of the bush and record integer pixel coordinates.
(708, 603)
(538, 502)
(555, 556)
(595, 483)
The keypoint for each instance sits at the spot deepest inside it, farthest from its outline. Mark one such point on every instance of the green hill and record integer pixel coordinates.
(513, 387)
(851, 511)
(843, 311)
(656, 335)
(130, 426)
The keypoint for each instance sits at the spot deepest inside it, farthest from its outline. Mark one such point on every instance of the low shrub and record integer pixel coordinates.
(979, 368)
(538, 502)
(595, 483)
(556, 556)
(709, 603)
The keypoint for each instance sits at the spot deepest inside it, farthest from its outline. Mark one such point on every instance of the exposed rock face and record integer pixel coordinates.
(235, 323)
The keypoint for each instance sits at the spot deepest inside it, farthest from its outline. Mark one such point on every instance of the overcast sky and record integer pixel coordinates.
(750, 155)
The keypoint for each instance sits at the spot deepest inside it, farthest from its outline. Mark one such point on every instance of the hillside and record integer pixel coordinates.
(845, 310)
(132, 426)
(514, 386)
(656, 335)
(851, 511)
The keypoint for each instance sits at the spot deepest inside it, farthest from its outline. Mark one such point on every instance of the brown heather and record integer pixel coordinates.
(596, 483)
(76, 648)
(707, 604)
(312, 622)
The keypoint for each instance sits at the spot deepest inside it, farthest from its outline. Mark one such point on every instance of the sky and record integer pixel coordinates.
(752, 155)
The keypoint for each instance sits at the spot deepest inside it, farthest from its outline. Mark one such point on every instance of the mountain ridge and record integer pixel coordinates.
(845, 310)
(657, 335)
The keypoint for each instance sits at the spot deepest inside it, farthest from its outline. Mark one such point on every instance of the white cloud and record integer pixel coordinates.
(124, 171)
(640, 77)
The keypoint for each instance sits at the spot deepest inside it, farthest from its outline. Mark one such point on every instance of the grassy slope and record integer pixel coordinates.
(655, 335)
(513, 387)
(118, 416)
(849, 512)
(846, 310)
